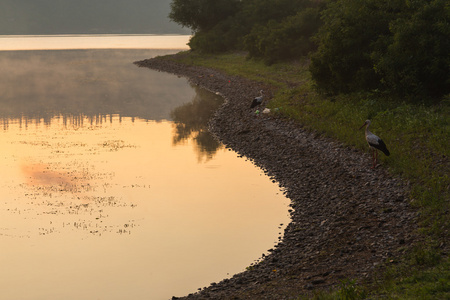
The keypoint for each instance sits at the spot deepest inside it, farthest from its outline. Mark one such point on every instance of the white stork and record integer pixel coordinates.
(258, 100)
(375, 143)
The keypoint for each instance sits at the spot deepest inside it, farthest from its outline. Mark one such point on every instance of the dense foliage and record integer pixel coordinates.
(417, 58)
(346, 40)
(268, 29)
(202, 15)
(397, 46)
(287, 39)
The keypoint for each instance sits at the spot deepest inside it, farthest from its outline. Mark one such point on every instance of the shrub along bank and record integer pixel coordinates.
(395, 46)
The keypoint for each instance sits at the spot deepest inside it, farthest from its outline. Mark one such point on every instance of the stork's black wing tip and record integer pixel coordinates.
(383, 148)
(380, 146)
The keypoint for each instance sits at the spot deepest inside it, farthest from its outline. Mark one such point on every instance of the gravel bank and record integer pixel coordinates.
(347, 219)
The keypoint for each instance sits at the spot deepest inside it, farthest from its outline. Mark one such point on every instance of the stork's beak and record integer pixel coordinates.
(363, 125)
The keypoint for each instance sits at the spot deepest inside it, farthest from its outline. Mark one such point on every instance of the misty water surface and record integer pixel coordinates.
(112, 188)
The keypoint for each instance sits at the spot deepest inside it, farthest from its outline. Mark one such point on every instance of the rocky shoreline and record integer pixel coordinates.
(348, 220)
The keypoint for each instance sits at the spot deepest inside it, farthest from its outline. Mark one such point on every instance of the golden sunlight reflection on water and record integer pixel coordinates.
(112, 188)
(115, 208)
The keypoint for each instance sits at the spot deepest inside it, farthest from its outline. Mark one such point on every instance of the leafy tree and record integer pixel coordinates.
(284, 40)
(222, 25)
(263, 11)
(349, 35)
(401, 47)
(416, 61)
(202, 15)
(225, 36)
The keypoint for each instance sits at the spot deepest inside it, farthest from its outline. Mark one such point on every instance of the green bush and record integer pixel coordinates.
(345, 42)
(202, 15)
(278, 41)
(223, 37)
(399, 47)
(222, 25)
(417, 60)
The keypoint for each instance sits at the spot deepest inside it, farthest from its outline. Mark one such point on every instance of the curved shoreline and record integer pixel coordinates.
(346, 219)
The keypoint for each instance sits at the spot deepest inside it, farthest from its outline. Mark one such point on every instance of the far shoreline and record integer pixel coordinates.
(95, 41)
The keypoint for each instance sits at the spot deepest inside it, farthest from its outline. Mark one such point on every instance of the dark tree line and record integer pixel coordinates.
(273, 30)
(398, 46)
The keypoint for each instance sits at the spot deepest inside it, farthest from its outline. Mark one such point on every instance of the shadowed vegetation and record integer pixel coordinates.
(397, 47)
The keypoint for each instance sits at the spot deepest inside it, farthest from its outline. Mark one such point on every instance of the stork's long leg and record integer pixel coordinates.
(373, 157)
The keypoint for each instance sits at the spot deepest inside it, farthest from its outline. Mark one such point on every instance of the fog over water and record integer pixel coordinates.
(92, 82)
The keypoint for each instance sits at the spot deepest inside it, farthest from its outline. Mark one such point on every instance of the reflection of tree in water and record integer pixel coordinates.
(74, 121)
(191, 121)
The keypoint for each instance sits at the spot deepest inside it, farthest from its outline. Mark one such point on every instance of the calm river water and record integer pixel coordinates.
(112, 188)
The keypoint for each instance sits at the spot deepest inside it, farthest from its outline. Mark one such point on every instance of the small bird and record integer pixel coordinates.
(258, 100)
(375, 143)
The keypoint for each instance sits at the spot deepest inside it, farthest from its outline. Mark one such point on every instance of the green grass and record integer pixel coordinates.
(417, 135)
(348, 290)
(432, 282)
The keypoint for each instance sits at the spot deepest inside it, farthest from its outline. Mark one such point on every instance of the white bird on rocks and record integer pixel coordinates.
(375, 144)
(258, 100)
